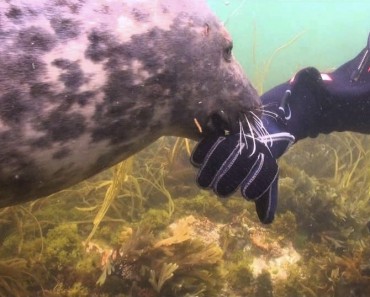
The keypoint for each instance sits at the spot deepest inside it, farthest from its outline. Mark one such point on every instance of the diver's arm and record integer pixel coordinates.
(314, 102)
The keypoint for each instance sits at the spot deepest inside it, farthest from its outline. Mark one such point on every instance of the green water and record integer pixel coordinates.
(333, 32)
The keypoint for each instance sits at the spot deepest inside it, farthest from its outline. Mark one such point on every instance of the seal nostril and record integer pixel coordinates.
(228, 52)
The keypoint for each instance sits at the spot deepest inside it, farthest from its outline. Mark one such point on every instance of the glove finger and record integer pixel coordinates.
(202, 148)
(215, 160)
(267, 203)
(235, 170)
(260, 178)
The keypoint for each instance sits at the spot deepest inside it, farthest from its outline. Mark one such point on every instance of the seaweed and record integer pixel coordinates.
(14, 277)
(240, 276)
(120, 175)
(176, 265)
(165, 274)
(204, 204)
(157, 181)
(156, 219)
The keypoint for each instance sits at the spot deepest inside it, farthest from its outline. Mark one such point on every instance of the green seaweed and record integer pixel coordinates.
(204, 204)
(155, 219)
(120, 175)
(239, 276)
(63, 247)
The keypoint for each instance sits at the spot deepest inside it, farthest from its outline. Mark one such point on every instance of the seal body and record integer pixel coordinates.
(85, 84)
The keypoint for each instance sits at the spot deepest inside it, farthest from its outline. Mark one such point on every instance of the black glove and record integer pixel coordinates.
(239, 160)
(311, 103)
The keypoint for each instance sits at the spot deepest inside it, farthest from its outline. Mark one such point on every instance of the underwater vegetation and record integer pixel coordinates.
(179, 264)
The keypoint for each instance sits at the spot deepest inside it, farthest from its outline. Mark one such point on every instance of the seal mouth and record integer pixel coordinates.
(218, 123)
(223, 123)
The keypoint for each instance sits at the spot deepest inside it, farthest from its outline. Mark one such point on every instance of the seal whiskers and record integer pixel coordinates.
(256, 130)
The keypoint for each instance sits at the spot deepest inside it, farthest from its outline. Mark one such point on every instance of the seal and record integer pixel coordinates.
(84, 84)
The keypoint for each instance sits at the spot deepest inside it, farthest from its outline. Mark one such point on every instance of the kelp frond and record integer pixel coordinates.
(156, 179)
(180, 144)
(120, 175)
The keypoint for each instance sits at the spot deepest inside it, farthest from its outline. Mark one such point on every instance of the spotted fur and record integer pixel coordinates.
(84, 84)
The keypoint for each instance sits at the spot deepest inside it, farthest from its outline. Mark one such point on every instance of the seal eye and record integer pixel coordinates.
(227, 52)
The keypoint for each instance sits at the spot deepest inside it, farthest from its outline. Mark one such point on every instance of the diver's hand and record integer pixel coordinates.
(233, 161)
